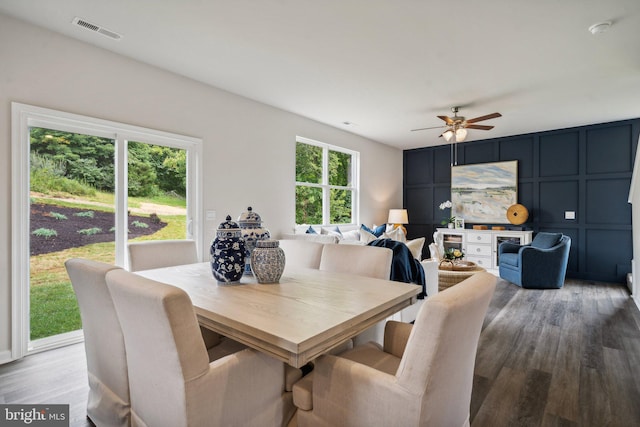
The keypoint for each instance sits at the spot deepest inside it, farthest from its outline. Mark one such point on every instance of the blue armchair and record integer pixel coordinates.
(539, 265)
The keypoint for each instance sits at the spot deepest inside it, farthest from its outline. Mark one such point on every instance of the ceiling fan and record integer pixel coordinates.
(457, 125)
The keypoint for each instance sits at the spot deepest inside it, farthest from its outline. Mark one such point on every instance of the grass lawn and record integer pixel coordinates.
(53, 306)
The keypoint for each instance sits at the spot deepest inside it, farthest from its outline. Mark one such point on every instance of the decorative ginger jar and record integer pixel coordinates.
(252, 231)
(267, 261)
(228, 253)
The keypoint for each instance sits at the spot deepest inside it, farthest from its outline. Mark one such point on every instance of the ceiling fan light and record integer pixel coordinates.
(447, 135)
(461, 134)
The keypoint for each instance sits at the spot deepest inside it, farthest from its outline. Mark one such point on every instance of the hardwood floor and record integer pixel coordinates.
(567, 357)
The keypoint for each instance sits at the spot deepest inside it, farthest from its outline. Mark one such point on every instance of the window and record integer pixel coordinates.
(326, 183)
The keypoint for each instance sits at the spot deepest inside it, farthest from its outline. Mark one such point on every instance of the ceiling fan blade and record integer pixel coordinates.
(481, 127)
(432, 127)
(447, 119)
(487, 117)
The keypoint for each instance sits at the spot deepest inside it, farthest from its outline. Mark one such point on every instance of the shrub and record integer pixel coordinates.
(139, 224)
(44, 232)
(57, 215)
(85, 214)
(90, 231)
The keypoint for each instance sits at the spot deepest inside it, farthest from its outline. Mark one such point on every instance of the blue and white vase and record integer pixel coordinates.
(267, 261)
(228, 253)
(252, 231)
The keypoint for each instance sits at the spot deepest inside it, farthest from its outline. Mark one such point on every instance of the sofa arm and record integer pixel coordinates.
(430, 267)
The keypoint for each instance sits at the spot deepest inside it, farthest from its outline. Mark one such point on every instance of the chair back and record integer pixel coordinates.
(109, 401)
(164, 351)
(161, 253)
(439, 358)
(369, 261)
(302, 253)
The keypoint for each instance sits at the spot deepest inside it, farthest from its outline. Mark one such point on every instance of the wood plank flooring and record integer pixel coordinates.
(567, 357)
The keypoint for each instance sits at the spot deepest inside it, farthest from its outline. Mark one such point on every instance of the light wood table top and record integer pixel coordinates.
(305, 315)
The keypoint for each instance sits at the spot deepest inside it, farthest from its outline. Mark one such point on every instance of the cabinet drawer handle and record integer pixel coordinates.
(479, 237)
(478, 250)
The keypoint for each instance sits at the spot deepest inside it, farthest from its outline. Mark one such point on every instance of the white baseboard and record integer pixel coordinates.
(5, 357)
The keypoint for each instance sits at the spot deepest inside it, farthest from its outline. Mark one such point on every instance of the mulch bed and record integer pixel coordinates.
(67, 229)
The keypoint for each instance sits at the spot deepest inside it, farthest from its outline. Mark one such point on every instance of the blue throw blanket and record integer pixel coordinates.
(404, 267)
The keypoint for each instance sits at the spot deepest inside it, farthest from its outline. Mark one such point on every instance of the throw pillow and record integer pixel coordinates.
(546, 240)
(377, 231)
(333, 231)
(311, 230)
(415, 246)
(366, 236)
(351, 235)
(395, 234)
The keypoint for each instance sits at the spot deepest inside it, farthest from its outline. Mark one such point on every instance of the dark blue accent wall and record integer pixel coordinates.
(584, 169)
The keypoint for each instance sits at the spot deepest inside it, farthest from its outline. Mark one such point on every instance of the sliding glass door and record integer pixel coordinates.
(84, 188)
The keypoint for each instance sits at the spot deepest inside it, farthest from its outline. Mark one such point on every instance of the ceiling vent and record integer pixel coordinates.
(96, 28)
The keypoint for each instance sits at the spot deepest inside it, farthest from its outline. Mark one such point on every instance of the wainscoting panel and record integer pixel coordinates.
(586, 170)
(557, 197)
(602, 260)
(610, 150)
(559, 154)
(607, 201)
(419, 204)
(520, 149)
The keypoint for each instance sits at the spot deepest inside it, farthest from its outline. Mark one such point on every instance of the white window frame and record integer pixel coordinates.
(326, 193)
(26, 116)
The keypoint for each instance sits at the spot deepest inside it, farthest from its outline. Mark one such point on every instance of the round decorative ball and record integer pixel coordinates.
(517, 214)
(267, 261)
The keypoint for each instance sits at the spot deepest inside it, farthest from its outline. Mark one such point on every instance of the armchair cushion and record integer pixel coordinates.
(546, 240)
(510, 258)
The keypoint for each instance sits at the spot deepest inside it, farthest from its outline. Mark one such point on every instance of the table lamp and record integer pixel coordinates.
(397, 217)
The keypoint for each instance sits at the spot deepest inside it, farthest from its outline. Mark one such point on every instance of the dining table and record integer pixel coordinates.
(306, 314)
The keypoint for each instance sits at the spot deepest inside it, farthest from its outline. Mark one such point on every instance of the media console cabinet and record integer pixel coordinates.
(481, 246)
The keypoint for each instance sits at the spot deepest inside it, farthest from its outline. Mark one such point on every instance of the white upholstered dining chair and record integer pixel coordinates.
(369, 261)
(108, 403)
(423, 374)
(301, 253)
(149, 254)
(171, 380)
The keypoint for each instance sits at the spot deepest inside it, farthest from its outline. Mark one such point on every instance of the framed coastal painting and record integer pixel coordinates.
(482, 193)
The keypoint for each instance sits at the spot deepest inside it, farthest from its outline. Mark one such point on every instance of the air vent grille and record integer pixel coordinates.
(96, 28)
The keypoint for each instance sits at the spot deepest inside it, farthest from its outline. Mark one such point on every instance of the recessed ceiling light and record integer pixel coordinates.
(600, 27)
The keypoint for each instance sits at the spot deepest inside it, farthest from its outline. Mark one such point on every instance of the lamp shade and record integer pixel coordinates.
(461, 134)
(447, 135)
(398, 216)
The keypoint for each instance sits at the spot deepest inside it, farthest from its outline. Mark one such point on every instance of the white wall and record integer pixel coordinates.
(249, 148)
(634, 198)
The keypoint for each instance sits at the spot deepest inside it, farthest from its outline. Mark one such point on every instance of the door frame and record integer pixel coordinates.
(23, 117)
